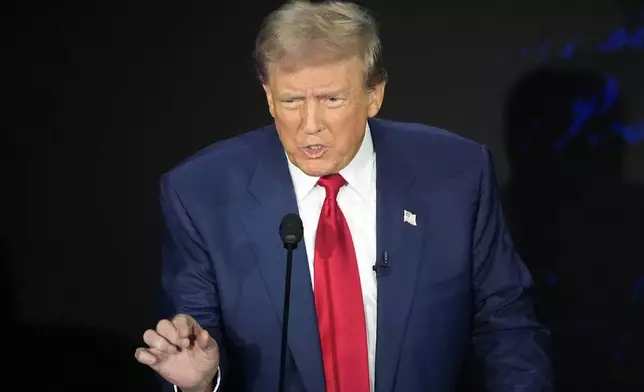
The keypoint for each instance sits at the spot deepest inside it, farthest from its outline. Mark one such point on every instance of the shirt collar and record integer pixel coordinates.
(358, 173)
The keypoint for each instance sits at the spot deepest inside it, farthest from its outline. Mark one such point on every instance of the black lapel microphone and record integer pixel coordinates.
(381, 267)
(291, 232)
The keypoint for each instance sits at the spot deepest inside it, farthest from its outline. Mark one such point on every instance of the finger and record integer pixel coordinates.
(145, 356)
(187, 328)
(158, 353)
(167, 329)
(154, 340)
(203, 339)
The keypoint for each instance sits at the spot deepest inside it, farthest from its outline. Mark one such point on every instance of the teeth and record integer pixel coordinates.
(316, 147)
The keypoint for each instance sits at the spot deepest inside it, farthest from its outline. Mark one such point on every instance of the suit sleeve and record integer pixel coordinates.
(187, 276)
(511, 347)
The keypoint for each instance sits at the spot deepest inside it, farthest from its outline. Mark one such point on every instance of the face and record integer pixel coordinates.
(321, 112)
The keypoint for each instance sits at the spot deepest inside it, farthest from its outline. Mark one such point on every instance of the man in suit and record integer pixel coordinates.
(418, 202)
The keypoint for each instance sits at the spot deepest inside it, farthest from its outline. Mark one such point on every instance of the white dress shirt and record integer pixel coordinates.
(357, 200)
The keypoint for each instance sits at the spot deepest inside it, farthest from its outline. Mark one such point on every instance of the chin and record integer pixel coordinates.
(316, 172)
(317, 169)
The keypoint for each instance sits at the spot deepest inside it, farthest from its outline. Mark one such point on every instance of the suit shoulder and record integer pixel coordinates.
(435, 155)
(222, 162)
(430, 143)
(423, 133)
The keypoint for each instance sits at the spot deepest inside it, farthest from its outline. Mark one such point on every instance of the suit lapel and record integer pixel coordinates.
(402, 241)
(272, 187)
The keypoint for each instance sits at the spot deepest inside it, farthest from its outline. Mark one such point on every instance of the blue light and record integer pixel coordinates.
(567, 51)
(552, 280)
(630, 133)
(618, 39)
(638, 289)
(587, 105)
(622, 39)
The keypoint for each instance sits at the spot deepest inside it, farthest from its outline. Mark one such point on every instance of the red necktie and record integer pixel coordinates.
(338, 298)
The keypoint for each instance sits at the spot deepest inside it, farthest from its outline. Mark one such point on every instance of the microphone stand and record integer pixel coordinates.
(285, 313)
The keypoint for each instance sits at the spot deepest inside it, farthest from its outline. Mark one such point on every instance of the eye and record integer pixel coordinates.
(333, 101)
(291, 102)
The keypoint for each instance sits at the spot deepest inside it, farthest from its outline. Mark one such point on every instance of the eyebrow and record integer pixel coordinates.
(322, 94)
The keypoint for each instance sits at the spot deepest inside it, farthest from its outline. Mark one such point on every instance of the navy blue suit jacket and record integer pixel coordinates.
(456, 288)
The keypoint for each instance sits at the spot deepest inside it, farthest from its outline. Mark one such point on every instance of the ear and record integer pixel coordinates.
(269, 99)
(376, 96)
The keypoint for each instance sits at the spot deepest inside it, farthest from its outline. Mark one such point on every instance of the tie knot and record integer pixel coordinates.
(332, 184)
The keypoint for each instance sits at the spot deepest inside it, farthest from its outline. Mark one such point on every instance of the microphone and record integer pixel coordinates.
(291, 232)
(382, 265)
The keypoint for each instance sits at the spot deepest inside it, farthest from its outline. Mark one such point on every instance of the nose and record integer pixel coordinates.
(312, 117)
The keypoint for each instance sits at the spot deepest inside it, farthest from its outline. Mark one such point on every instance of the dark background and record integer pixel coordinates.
(107, 96)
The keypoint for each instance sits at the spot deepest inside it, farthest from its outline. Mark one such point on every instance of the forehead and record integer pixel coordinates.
(337, 74)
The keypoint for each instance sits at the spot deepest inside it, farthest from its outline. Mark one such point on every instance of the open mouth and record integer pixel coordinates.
(314, 151)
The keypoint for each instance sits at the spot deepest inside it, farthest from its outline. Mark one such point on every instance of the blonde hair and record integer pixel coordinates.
(301, 32)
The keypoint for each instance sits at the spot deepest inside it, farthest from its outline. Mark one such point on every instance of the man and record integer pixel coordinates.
(418, 202)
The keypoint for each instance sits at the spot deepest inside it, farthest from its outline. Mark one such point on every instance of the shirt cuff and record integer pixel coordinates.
(216, 384)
